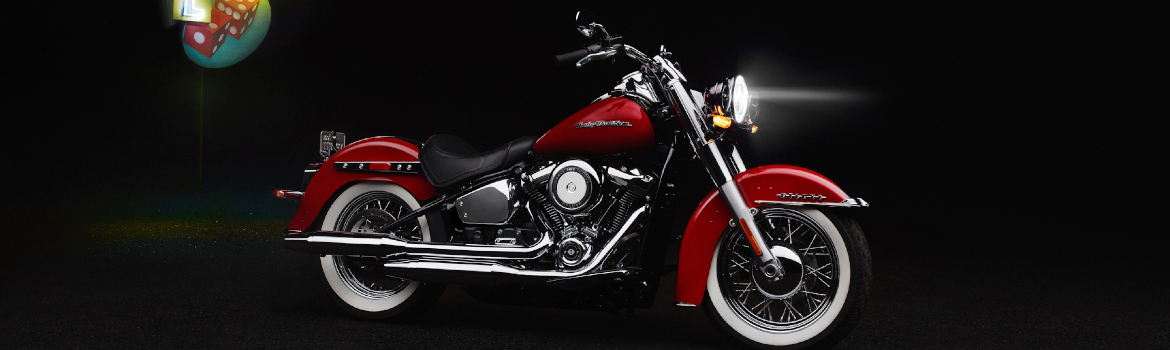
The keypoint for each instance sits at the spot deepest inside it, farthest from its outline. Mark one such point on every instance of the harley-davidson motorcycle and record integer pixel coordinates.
(581, 217)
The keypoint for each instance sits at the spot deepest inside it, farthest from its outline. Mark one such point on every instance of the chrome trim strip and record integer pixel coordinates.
(680, 304)
(815, 197)
(395, 167)
(848, 203)
(496, 268)
(455, 249)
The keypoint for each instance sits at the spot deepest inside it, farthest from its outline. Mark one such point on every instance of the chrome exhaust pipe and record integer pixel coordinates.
(494, 273)
(381, 245)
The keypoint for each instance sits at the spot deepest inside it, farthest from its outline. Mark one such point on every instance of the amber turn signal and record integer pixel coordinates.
(754, 128)
(721, 121)
(718, 119)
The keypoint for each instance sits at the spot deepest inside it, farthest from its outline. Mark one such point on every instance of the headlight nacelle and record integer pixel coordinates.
(735, 98)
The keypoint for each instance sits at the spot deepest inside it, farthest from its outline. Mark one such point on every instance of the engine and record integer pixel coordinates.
(583, 206)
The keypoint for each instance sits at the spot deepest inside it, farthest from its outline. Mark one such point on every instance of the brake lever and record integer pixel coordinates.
(600, 55)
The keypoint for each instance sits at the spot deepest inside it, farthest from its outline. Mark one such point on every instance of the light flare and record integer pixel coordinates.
(784, 94)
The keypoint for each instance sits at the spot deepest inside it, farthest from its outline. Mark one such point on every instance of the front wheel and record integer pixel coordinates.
(815, 302)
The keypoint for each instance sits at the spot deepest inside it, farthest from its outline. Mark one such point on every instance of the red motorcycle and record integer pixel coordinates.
(582, 216)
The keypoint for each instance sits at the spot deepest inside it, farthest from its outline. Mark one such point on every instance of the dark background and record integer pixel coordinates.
(1000, 145)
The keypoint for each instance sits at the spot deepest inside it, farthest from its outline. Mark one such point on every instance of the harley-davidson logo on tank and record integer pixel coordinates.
(220, 33)
(613, 126)
(603, 123)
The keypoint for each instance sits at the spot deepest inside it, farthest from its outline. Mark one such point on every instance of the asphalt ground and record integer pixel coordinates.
(152, 280)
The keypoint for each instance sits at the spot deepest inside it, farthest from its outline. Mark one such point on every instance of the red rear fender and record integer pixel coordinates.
(329, 180)
(712, 216)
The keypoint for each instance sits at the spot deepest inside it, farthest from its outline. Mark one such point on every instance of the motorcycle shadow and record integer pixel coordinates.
(662, 325)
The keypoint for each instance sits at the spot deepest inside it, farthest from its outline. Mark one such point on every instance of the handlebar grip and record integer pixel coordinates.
(575, 56)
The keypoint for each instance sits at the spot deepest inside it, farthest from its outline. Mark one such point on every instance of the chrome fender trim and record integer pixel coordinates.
(848, 203)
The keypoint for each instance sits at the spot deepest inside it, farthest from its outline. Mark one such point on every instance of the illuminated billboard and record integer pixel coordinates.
(233, 29)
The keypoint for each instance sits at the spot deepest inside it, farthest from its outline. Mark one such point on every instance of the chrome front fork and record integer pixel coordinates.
(721, 172)
(742, 215)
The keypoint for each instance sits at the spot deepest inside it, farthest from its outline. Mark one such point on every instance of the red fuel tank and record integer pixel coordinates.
(613, 126)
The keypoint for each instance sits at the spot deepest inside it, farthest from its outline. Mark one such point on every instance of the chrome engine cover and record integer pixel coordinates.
(493, 203)
(574, 186)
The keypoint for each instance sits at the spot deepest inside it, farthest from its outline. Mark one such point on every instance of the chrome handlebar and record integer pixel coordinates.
(608, 52)
(596, 56)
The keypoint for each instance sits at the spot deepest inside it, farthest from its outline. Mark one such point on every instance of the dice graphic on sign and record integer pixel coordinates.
(206, 38)
(229, 31)
(241, 12)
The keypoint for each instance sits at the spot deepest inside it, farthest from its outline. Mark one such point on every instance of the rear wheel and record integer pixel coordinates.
(814, 303)
(357, 284)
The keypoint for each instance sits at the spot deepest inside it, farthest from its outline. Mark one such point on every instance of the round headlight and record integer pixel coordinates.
(740, 98)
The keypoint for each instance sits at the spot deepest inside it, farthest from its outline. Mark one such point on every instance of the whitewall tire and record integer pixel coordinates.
(815, 308)
(356, 284)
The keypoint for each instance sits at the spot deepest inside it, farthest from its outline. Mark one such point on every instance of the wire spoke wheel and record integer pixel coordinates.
(801, 294)
(364, 276)
(359, 284)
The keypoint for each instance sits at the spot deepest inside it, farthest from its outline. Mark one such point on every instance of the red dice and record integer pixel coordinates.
(206, 38)
(202, 38)
(219, 21)
(228, 17)
(241, 13)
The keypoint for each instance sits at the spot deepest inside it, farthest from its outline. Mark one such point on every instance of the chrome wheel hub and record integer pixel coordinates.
(785, 278)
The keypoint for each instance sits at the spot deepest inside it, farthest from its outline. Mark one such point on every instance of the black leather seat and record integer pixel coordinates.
(447, 160)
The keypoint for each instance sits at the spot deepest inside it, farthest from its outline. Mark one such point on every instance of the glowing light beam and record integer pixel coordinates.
(781, 94)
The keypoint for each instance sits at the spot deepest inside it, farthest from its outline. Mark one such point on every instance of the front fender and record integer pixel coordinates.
(329, 179)
(712, 216)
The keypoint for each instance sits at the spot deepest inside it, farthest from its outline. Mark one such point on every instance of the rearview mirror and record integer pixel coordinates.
(585, 23)
(584, 18)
